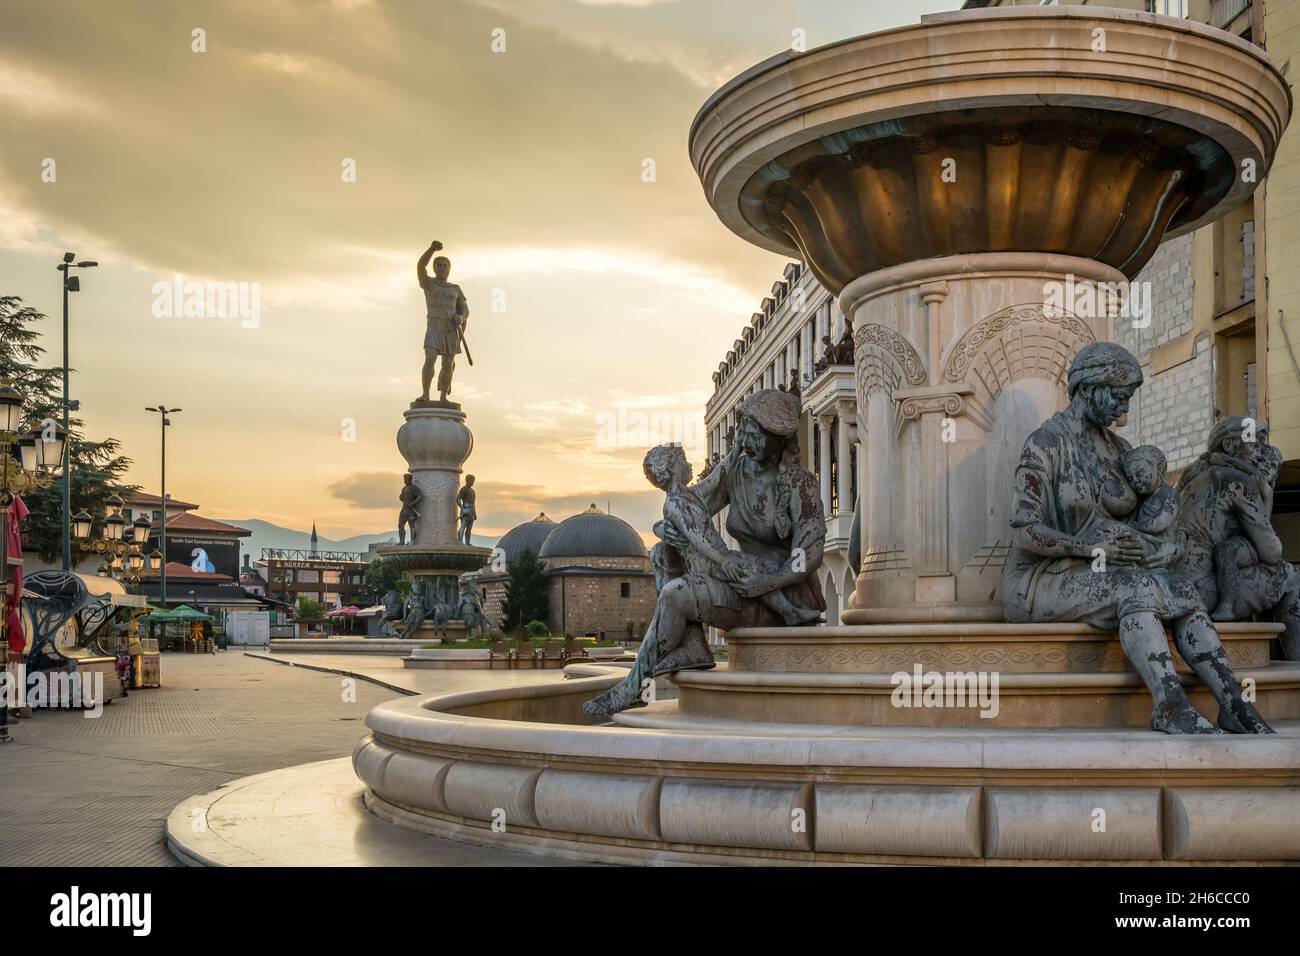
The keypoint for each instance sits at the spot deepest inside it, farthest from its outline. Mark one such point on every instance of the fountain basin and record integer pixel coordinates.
(1066, 130)
(498, 768)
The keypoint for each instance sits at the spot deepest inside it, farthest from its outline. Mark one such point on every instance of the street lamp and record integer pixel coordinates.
(70, 283)
(124, 557)
(81, 523)
(37, 462)
(42, 447)
(163, 411)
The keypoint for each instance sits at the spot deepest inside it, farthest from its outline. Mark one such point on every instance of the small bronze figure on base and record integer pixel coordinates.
(465, 502)
(410, 514)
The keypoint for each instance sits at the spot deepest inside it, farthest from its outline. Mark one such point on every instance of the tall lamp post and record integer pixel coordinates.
(163, 411)
(71, 283)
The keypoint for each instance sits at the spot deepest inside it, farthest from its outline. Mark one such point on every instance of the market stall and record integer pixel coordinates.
(181, 629)
(344, 619)
(76, 624)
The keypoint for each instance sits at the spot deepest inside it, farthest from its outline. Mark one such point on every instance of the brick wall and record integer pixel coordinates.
(1170, 276)
(594, 603)
(1174, 408)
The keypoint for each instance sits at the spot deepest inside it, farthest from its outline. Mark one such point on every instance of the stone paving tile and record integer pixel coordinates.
(388, 669)
(95, 792)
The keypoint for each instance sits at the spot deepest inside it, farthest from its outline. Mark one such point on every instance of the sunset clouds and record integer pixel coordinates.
(225, 166)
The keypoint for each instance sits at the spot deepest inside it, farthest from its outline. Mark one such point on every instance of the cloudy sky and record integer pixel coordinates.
(594, 295)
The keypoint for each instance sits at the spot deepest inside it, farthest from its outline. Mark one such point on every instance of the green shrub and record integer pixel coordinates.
(309, 608)
(537, 629)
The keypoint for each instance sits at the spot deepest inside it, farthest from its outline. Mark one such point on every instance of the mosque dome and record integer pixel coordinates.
(528, 536)
(591, 534)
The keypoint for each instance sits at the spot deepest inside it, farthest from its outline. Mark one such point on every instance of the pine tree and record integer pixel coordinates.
(97, 468)
(526, 598)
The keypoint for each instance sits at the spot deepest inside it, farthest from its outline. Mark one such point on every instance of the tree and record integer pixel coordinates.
(380, 578)
(526, 597)
(97, 467)
(309, 608)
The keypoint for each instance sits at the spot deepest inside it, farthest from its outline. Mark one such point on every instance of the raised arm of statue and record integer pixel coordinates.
(712, 488)
(421, 275)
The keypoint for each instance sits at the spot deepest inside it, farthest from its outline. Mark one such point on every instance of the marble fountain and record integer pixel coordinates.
(1080, 138)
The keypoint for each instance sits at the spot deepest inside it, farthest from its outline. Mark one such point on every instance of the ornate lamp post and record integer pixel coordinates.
(124, 557)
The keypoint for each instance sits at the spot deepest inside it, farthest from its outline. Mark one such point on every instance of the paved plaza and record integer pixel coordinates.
(96, 792)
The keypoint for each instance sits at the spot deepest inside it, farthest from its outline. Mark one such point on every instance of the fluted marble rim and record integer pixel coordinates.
(973, 265)
(1171, 69)
(437, 725)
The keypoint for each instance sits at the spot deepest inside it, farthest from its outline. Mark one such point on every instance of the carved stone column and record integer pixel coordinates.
(824, 459)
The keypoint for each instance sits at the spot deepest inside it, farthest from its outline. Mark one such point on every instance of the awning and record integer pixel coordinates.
(350, 611)
(110, 591)
(187, 613)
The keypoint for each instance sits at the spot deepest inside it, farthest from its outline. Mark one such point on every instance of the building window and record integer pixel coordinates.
(331, 577)
(303, 576)
(625, 589)
(1169, 8)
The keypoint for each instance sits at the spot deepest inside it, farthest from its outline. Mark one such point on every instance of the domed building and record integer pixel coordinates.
(529, 536)
(598, 574)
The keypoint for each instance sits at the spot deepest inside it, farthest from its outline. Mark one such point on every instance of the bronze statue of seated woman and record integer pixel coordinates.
(774, 513)
(1069, 479)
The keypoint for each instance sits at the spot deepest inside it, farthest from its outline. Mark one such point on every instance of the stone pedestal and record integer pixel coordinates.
(435, 442)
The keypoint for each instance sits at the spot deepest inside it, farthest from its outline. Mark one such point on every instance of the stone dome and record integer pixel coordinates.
(528, 536)
(593, 533)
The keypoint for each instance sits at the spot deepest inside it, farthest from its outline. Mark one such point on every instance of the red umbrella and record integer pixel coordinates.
(349, 611)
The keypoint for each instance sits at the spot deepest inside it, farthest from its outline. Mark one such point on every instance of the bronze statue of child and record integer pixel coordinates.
(668, 470)
(1237, 552)
(1144, 469)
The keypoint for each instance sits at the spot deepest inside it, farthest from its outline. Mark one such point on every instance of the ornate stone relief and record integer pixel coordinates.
(1018, 342)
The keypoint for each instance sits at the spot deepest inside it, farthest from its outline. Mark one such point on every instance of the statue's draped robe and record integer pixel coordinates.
(1064, 483)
